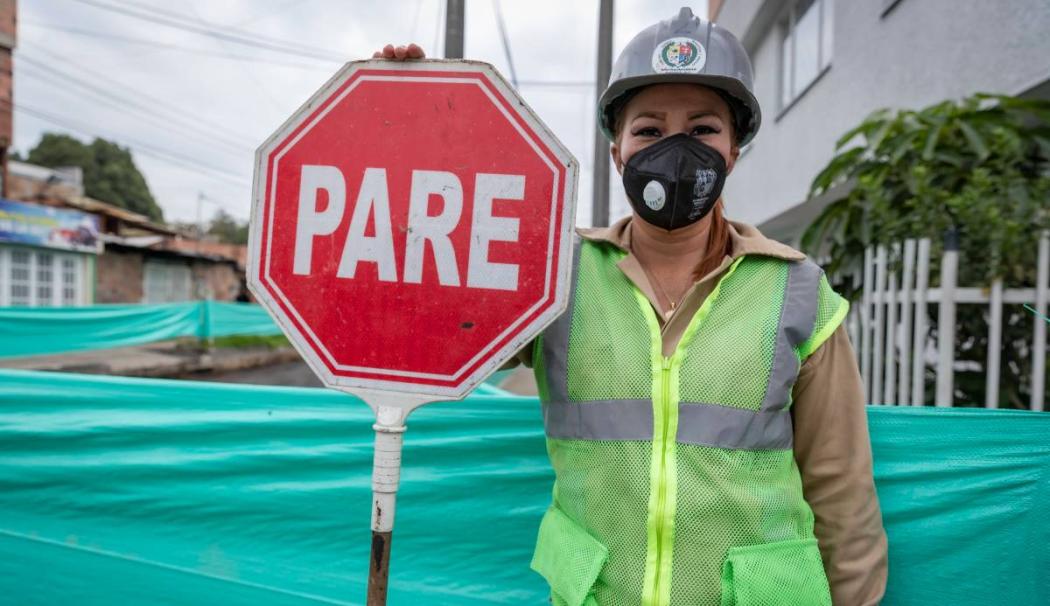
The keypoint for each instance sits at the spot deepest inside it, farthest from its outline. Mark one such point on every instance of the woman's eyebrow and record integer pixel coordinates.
(650, 114)
(703, 114)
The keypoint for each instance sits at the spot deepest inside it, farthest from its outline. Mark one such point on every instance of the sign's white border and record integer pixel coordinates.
(304, 343)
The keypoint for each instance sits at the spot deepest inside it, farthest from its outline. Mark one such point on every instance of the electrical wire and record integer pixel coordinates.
(165, 155)
(154, 103)
(121, 104)
(165, 46)
(197, 21)
(506, 42)
(227, 34)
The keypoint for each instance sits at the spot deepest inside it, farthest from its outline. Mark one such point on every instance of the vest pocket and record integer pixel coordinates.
(569, 558)
(785, 572)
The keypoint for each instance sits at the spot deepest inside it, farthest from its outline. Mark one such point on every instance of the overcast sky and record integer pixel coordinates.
(91, 71)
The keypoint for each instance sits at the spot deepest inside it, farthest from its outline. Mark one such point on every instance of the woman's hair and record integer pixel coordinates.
(718, 244)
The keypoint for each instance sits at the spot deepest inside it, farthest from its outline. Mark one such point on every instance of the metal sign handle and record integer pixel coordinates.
(386, 475)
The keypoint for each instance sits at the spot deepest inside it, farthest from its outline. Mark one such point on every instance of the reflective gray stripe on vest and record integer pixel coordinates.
(798, 315)
(556, 338)
(701, 424)
(737, 428)
(599, 420)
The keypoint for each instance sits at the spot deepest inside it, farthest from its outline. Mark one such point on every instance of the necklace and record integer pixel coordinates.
(656, 283)
(663, 292)
(652, 280)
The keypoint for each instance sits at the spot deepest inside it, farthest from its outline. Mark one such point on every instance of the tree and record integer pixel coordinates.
(228, 229)
(979, 168)
(110, 174)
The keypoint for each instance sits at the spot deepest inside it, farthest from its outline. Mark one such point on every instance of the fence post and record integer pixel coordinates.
(946, 320)
(1039, 338)
(995, 338)
(890, 389)
(865, 325)
(904, 389)
(918, 369)
(877, 396)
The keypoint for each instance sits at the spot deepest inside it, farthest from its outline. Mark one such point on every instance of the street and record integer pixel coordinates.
(289, 374)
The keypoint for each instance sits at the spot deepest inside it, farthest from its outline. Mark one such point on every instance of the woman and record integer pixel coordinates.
(702, 403)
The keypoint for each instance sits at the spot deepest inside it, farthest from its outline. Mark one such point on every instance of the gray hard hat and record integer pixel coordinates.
(685, 48)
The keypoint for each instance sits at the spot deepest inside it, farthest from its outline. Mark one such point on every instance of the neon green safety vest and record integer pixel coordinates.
(676, 482)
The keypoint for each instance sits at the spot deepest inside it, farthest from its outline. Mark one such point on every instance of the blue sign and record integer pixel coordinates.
(50, 227)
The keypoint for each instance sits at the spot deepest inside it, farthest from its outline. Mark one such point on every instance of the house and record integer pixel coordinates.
(60, 247)
(821, 66)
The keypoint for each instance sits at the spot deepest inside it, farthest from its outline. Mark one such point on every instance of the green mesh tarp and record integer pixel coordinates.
(26, 331)
(130, 491)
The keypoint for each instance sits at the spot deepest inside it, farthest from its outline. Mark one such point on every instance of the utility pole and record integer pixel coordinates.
(454, 29)
(600, 208)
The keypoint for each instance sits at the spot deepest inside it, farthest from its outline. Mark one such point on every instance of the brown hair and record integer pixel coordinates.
(718, 243)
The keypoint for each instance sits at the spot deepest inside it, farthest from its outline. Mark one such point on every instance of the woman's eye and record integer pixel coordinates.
(648, 131)
(702, 129)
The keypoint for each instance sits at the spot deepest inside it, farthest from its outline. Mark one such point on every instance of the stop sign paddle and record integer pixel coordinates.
(411, 230)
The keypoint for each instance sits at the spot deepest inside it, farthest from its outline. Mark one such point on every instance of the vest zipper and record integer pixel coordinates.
(661, 497)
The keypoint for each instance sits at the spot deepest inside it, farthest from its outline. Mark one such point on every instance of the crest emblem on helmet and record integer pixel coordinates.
(678, 55)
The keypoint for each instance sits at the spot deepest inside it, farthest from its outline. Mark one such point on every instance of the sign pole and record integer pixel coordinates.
(386, 474)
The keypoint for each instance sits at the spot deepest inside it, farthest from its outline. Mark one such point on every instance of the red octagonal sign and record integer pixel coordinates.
(412, 226)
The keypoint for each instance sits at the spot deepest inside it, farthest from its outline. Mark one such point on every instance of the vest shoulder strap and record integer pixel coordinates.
(831, 310)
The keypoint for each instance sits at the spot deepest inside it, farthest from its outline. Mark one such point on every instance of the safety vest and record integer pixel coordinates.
(676, 482)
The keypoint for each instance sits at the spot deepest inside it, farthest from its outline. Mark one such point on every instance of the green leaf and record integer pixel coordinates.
(866, 127)
(840, 166)
(975, 139)
(931, 142)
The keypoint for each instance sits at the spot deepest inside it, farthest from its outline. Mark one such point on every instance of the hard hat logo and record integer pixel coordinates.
(679, 55)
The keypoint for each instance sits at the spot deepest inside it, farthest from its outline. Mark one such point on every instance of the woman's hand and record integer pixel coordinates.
(400, 53)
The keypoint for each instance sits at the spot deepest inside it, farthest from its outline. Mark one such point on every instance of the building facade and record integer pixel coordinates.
(821, 66)
(47, 255)
(59, 247)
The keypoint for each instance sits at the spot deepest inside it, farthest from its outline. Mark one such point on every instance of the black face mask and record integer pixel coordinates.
(674, 182)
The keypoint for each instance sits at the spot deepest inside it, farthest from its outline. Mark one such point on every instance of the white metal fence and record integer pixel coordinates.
(889, 325)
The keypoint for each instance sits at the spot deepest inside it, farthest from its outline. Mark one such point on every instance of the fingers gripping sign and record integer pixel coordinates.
(412, 51)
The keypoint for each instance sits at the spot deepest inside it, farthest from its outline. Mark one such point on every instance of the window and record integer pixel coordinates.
(20, 277)
(805, 49)
(45, 278)
(167, 282)
(40, 277)
(69, 281)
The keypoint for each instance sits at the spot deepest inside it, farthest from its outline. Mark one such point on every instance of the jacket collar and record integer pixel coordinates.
(745, 239)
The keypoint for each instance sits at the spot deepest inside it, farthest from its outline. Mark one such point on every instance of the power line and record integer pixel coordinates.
(146, 112)
(268, 12)
(147, 149)
(306, 66)
(202, 28)
(197, 21)
(248, 72)
(152, 102)
(506, 42)
(176, 47)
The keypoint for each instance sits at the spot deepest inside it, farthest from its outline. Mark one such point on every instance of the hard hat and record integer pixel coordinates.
(685, 48)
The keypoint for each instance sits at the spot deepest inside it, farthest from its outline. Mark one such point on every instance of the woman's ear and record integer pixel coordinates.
(734, 153)
(614, 152)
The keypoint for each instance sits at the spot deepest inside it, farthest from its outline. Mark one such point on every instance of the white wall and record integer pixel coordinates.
(921, 52)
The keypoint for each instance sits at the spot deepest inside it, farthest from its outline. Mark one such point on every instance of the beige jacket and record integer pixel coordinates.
(832, 445)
